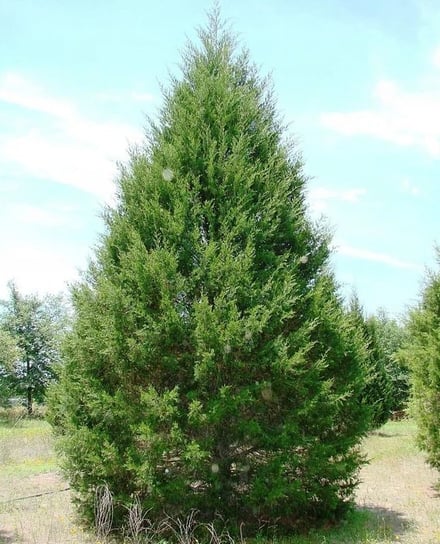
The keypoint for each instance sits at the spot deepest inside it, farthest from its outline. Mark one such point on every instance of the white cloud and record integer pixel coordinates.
(39, 270)
(405, 118)
(141, 97)
(15, 89)
(410, 188)
(368, 255)
(55, 215)
(65, 146)
(135, 96)
(319, 197)
(71, 163)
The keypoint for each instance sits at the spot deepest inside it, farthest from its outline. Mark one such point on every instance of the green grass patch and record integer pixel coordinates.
(26, 447)
(29, 467)
(396, 439)
(361, 526)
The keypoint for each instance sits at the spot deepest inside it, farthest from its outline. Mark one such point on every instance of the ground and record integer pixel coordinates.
(397, 500)
(398, 485)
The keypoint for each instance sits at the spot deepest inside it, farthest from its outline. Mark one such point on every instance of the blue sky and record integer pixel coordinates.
(357, 82)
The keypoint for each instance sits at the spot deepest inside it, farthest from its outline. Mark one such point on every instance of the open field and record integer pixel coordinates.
(28, 467)
(397, 500)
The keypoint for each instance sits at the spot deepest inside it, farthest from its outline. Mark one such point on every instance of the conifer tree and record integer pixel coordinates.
(421, 353)
(211, 364)
(391, 335)
(377, 391)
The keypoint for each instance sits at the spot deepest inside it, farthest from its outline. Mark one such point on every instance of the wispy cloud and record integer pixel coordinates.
(15, 89)
(410, 188)
(135, 96)
(141, 96)
(320, 197)
(35, 269)
(53, 215)
(368, 255)
(63, 146)
(405, 118)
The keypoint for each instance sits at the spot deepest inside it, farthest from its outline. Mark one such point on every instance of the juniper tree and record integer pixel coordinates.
(391, 336)
(421, 354)
(377, 392)
(211, 364)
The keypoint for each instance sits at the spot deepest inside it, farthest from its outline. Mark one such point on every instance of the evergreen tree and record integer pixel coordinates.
(211, 364)
(377, 391)
(391, 336)
(421, 354)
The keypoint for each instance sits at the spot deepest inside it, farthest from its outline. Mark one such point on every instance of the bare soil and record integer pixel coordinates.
(399, 486)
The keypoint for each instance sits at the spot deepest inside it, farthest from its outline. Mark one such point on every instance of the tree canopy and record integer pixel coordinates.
(31, 328)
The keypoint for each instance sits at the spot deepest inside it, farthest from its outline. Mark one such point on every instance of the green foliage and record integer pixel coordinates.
(9, 355)
(376, 392)
(211, 364)
(30, 333)
(390, 336)
(421, 354)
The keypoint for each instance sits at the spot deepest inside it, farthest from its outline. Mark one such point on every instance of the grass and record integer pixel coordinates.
(25, 448)
(28, 467)
(396, 501)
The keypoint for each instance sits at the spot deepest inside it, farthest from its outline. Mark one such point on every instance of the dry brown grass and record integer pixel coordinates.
(399, 486)
(28, 467)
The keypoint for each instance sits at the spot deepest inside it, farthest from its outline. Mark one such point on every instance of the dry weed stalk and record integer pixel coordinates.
(140, 529)
(103, 511)
(183, 530)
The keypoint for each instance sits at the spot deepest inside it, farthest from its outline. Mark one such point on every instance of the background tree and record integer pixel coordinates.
(377, 392)
(390, 334)
(31, 329)
(10, 354)
(211, 364)
(421, 353)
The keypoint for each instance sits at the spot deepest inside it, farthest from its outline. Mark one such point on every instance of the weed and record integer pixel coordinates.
(103, 511)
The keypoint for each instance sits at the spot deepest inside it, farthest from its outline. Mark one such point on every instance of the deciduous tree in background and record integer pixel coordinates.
(10, 354)
(211, 364)
(30, 334)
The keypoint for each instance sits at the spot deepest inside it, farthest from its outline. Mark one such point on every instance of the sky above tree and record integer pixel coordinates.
(358, 84)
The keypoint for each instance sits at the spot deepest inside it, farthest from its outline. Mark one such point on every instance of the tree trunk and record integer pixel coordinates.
(29, 400)
(29, 388)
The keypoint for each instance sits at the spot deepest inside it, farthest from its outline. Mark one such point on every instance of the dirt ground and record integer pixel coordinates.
(47, 518)
(400, 486)
(397, 487)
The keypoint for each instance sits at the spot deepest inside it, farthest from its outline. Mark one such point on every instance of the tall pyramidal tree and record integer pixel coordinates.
(211, 364)
(421, 354)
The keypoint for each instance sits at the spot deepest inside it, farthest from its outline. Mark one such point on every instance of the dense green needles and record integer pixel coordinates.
(211, 364)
